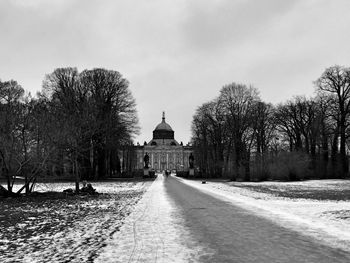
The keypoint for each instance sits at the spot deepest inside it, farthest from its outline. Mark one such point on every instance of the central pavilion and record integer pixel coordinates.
(165, 153)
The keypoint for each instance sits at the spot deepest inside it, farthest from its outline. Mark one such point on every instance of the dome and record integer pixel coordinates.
(163, 125)
(163, 130)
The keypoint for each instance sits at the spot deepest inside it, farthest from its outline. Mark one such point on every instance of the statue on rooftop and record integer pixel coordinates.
(191, 161)
(146, 160)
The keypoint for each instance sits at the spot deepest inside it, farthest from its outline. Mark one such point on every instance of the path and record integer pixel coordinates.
(175, 222)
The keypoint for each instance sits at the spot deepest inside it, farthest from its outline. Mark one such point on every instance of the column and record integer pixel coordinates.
(167, 160)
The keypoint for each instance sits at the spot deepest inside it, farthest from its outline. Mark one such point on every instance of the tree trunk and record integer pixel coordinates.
(344, 162)
(246, 165)
(76, 170)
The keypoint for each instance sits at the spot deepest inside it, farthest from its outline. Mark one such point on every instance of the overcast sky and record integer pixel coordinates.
(177, 54)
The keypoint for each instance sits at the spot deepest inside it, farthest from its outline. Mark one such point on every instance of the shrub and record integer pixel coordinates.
(290, 166)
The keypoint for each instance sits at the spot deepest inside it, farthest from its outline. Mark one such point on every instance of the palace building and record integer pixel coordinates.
(164, 152)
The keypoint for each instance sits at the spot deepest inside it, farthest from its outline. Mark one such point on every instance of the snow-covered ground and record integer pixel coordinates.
(54, 228)
(319, 208)
(88, 228)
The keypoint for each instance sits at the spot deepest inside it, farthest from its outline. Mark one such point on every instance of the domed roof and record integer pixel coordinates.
(163, 132)
(163, 126)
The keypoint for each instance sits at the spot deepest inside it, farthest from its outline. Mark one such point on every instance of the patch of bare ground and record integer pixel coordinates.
(338, 214)
(55, 227)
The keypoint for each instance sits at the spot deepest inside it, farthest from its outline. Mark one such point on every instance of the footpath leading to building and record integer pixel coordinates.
(176, 222)
(154, 232)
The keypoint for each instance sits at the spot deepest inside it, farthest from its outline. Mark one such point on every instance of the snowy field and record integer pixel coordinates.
(319, 208)
(59, 228)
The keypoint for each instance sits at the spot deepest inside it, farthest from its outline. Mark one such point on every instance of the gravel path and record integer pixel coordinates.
(175, 222)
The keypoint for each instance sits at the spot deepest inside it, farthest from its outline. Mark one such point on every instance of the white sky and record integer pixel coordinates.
(177, 54)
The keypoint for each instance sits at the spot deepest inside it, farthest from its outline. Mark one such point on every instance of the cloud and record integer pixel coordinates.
(39, 3)
(218, 24)
(177, 54)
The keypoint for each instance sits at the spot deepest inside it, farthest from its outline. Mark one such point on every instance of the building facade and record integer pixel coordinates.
(164, 152)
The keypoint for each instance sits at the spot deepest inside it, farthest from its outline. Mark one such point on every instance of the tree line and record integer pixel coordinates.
(77, 125)
(241, 137)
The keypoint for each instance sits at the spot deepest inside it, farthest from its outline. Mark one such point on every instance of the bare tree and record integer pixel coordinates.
(94, 114)
(11, 94)
(336, 81)
(239, 104)
(68, 106)
(208, 129)
(113, 112)
(17, 142)
(264, 126)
